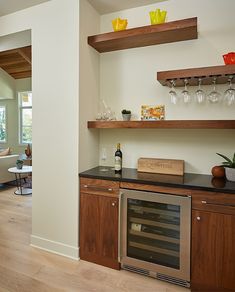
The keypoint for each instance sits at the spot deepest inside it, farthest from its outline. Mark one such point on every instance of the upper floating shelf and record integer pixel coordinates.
(207, 74)
(166, 124)
(180, 30)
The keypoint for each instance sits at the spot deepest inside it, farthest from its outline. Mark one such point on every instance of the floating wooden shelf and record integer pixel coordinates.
(170, 124)
(169, 32)
(207, 73)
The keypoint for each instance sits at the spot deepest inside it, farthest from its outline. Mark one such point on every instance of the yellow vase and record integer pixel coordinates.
(119, 24)
(157, 16)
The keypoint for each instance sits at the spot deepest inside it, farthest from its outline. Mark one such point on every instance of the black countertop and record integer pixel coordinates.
(189, 180)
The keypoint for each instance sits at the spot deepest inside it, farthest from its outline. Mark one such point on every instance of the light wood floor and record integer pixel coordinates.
(27, 269)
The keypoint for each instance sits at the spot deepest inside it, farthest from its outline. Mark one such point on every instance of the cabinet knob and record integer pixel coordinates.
(113, 204)
(198, 218)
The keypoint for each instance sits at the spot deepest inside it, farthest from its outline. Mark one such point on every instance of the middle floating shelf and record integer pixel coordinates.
(163, 124)
(207, 74)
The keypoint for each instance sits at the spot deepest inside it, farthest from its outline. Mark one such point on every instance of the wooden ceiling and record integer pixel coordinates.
(17, 62)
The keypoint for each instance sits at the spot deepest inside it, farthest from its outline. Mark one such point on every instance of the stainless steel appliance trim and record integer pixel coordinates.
(119, 225)
(185, 232)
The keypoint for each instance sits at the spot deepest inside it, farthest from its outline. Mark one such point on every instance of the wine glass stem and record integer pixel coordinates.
(199, 83)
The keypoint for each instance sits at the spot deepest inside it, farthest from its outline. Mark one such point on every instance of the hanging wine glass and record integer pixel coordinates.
(214, 96)
(173, 95)
(185, 93)
(229, 95)
(200, 95)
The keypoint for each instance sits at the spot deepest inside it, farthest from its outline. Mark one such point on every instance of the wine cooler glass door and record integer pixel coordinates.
(156, 232)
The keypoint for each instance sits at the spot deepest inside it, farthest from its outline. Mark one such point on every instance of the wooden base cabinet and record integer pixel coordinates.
(213, 231)
(99, 227)
(213, 251)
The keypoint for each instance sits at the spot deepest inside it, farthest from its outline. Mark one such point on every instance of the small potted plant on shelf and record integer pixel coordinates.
(229, 165)
(126, 115)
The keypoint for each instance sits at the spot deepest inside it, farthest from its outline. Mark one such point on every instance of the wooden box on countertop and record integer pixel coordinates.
(163, 166)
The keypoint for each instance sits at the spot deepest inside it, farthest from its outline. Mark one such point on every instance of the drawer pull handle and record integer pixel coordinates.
(113, 204)
(198, 218)
(98, 188)
(218, 204)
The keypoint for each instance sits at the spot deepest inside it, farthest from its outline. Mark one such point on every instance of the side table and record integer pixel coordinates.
(21, 190)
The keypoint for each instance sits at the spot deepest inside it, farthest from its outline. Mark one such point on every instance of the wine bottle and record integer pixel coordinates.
(118, 159)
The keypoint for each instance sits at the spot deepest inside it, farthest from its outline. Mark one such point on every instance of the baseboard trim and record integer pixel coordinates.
(55, 247)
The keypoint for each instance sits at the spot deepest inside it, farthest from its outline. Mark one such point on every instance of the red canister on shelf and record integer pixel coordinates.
(229, 58)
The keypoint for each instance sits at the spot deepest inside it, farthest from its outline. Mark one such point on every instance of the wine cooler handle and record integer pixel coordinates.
(119, 226)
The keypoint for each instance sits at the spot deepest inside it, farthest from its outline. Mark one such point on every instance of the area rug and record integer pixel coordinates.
(25, 182)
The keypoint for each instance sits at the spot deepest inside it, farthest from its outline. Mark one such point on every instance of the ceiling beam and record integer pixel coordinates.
(25, 53)
(20, 75)
(17, 62)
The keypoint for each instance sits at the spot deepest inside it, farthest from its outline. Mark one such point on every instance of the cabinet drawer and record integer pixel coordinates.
(214, 202)
(99, 187)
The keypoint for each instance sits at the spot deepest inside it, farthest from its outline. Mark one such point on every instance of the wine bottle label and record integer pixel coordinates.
(118, 163)
(136, 226)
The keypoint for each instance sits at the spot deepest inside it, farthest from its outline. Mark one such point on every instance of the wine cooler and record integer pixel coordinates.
(154, 235)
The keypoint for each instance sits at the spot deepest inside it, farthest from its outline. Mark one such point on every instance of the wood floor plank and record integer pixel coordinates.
(17, 282)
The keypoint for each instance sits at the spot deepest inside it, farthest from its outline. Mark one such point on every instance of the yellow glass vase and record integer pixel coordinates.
(157, 16)
(119, 24)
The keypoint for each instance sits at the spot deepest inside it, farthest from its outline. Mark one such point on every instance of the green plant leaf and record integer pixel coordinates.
(225, 157)
(226, 163)
(234, 157)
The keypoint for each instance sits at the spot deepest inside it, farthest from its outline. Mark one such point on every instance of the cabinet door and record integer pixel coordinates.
(207, 249)
(99, 229)
(109, 231)
(228, 265)
(89, 226)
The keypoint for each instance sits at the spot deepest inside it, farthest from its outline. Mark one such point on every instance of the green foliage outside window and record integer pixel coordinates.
(25, 107)
(2, 124)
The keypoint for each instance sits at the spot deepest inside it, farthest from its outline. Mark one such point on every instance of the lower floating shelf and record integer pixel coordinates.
(166, 124)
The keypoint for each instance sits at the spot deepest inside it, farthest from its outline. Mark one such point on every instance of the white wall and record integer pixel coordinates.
(15, 40)
(89, 88)
(24, 84)
(128, 80)
(55, 30)
(7, 85)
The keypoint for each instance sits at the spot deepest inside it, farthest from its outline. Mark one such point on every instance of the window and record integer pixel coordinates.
(3, 124)
(25, 117)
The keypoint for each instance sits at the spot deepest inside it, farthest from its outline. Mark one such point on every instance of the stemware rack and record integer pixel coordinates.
(222, 74)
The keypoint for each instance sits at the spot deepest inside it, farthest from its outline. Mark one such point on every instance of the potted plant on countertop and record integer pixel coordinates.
(126, 115)
(229, 165)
